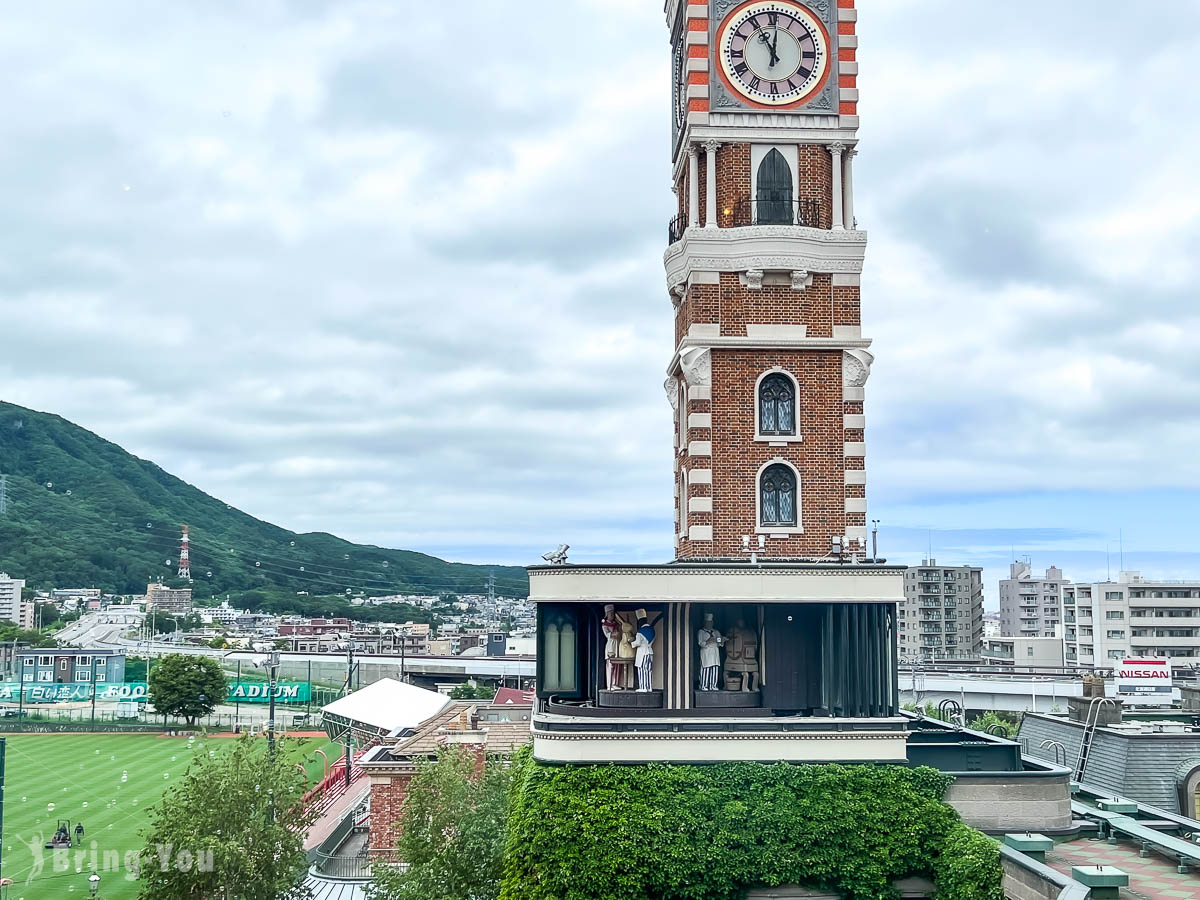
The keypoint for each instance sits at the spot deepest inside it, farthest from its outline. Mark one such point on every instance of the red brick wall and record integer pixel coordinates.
(737, 457)
(387, 798)
(819, 306)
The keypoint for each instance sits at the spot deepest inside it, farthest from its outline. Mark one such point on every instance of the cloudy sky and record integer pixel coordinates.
(394, 270)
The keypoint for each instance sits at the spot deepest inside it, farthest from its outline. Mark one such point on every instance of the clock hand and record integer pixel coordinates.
(774, 47)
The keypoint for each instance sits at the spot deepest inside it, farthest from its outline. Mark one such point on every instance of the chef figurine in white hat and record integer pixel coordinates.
(643, 643)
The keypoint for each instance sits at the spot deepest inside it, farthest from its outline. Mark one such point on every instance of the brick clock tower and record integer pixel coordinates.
(770, 636)
(763, 268)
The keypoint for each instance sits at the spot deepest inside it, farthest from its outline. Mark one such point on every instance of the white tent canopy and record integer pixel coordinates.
(382, 707)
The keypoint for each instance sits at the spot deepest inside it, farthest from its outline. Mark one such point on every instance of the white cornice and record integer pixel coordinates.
(736, 342)
(766, 248)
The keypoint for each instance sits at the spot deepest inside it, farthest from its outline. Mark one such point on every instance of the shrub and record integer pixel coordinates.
(710, 832)
(968, 867)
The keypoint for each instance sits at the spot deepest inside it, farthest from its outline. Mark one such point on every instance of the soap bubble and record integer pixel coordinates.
(345, 556)
(212, 752)
(149, 525)
(385, 564)
(49, 484)
(257, 564)
(347, 590)
(166, 775)
(68, 493)
(49, 807)
(173, 758)
(85, 804)
(23, 799)
(124, 778)
(209, 574)
(302, 568)
(293, 543)
(97, 752)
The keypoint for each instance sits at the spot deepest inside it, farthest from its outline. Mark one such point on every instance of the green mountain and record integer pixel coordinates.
(82, 512)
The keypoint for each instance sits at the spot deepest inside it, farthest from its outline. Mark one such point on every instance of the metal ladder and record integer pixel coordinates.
(1089, 731)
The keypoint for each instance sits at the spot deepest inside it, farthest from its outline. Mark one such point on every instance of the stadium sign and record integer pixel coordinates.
(72, 692)
(259, 692)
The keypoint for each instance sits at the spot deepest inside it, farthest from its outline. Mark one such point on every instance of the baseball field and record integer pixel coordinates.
(107, 783)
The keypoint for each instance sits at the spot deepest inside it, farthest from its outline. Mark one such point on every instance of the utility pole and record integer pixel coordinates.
(2, 742)
(93, 692)
(273, 661)
(490, 584)
(875, 540)
(349, 675)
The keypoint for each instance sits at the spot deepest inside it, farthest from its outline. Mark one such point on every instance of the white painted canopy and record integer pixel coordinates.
(386, 705)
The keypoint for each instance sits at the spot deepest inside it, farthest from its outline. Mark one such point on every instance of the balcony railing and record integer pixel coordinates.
(675, 229)
(751, 211)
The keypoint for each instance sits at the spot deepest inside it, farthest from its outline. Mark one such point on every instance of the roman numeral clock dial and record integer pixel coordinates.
(773, 52)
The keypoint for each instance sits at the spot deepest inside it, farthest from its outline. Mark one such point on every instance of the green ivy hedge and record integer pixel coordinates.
(710, 832)
(968, 866)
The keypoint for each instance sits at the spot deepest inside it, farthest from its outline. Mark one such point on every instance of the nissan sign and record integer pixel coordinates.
(1144, 676)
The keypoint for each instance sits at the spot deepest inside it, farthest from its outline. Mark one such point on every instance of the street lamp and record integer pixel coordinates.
(93, 884)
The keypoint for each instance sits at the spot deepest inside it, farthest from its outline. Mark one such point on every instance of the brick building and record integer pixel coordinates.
(482, 728)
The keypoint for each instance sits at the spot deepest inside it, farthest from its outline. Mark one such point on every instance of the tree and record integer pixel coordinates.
(452, 830)
(468, 691)
(186, 686)
(232, 828)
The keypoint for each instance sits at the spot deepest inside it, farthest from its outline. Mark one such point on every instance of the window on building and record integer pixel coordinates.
(101, 675)
(83, 675)
(683, 501)
(1116, 635)
(558, 654)
(28, 676)
(1029, 651)
(1113, 595)
(45, 676)
(777, 496)
(777, 405)
(83, 661)
(1114, 614)
(27, 661)
(1115, 654)
(773, 199)
(45, 660)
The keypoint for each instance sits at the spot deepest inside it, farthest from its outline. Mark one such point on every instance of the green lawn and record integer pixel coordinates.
(107, 781)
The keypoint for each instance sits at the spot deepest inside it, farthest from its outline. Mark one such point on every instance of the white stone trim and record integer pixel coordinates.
(700, 90)
(847, 332)
(844, 15)
(850, 95)
(700, 64)
(696, 117)
(697, 11)
(851, 420)
(700, 533)
(783, 332)
(695, 38)
(854, 449)
(704, 330)
(850, 122)
(856, 504)
(854, 394)
(699, 420)
(779, 440)
(764, 248)
(855, 476)
(697, 747)
(780, 530)
(699, 448)
(845, 279)
(705, 278)
(847, 68)
(699, 392)
(699, 504)
(699, 476)
(847, 41)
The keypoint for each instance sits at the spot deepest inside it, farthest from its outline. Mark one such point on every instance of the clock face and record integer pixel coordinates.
(773, 52)
(679, 76)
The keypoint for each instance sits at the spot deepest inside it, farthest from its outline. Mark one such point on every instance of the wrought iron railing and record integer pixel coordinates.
(758, 211)
(675, 229)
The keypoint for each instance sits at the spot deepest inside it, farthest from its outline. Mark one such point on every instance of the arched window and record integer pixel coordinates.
(773, 198)
(776, 405)
(777, 496)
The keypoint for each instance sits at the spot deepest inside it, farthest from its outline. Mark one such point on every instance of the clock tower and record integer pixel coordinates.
(764, 262)
(770, 635)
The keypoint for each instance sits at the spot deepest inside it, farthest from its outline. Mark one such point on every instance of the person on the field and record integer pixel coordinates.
(79, 834)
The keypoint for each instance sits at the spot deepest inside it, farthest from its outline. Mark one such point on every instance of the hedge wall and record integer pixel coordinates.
(710, 832)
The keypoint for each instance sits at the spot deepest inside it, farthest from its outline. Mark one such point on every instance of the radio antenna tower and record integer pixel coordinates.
(185, 567)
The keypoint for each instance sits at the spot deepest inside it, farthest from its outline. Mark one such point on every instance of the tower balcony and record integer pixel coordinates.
(749, 244)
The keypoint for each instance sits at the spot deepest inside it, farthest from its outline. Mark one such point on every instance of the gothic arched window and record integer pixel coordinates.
(773, 197)
(777, 405)
(777, 496)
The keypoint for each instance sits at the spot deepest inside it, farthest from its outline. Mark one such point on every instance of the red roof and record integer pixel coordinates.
(512, 697)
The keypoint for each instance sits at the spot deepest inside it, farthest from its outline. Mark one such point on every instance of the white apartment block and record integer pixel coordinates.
(10, 601)
(1031, 606)
(1131, 617)
(942, 613)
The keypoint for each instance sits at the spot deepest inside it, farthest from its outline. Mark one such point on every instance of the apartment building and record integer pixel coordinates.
(12, 607)
(942, 613)
(1031, 605)
(168, 600)
(1131, 617)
